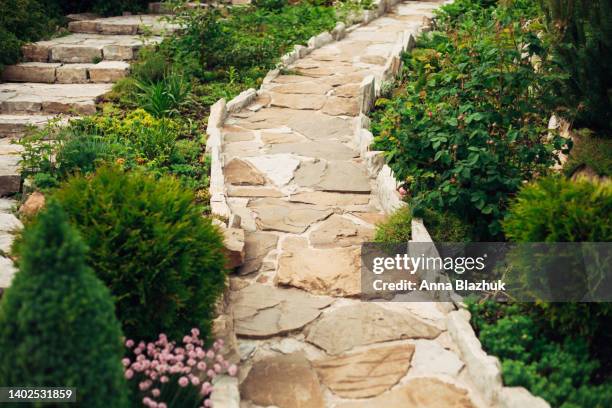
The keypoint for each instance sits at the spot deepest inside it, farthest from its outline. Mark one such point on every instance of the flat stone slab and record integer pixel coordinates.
(286, 381)
(338, 231)
(297, 101)
(256, 246)
(262, 311)
(366, 373)
(333, 176)
(334, 272)
(12, 126)
(278, 168)
(241, 172)
(366, 323)
(418, 393)
(50, 98)
(431, 358)
(330, 199)
(133, 24)
(328, 150)
(302, 87)
(278, 215)
(281, 137)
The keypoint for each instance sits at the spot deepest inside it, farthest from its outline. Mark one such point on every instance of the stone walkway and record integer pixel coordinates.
(62, 78)
(305, 201)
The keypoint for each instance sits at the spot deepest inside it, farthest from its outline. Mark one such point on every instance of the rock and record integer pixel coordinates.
(366, 373)
(278, 215)
(72, 73)
(338, 231)
(328, 150)
(240, 172)
(278, 168)
(316, 126)
(76, 53)
(225, 393)
(234, 247)
(431, 358)
(253, 192)
(333, 272)
(347, 91)
(278, 137)
(257, 245)
(30, 72)
(296, 101)
(333, 176)
(418, 393)
(286, 381)
(7, 272)
(370, 217)
(309, 87)
(235, 134)
(366, 323)
(34, 203)
(330, 199)
(108, 71)
(337, 106)
(262, 311)
(241, 149)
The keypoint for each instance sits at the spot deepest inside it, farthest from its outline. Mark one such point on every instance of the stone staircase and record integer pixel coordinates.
(62, 78)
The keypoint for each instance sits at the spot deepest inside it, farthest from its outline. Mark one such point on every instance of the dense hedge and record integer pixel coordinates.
(57, 322)
(162, 260)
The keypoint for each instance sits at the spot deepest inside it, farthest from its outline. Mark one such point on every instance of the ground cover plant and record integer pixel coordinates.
(57, 320)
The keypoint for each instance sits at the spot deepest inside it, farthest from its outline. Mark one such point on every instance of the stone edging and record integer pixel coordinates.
(226, 392)
(483, 370)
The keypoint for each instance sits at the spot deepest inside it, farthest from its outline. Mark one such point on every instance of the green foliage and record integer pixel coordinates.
(162, 260)
(558, 368)
(443, 227)
(584, 49)
(23, 21)
(135, 139)
(590, 151)
(270, 5)
(469, 124)
(165, 97)
(555, 209)
(104, 7)
(57, 323)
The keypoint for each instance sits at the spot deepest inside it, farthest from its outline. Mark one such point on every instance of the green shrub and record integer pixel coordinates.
(559, 368)
(57, 323)
(23, 21)
(590, 151)
(162, 260)
(584, 49)
(555, 209)
(443, 227)
(165, 97)
(469, 124)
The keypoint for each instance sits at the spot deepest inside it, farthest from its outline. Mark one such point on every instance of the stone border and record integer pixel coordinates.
(483, 370)
(226, 392)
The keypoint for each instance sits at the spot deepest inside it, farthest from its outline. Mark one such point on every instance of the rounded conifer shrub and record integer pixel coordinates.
(162, 260)
(57, 321)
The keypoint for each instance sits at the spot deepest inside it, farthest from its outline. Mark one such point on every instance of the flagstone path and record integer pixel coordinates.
(306, 202)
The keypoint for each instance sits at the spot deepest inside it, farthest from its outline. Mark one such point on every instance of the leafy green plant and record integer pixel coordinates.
(162, 260)
(165, 97)
(469, 124)
(591, 152)
(57, 323)
(559, 368)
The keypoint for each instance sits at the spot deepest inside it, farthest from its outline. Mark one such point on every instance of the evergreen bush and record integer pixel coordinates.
(57, 322)
(584, 49)
(162, 260)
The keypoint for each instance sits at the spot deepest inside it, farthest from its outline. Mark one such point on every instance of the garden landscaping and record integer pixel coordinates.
(197, 185)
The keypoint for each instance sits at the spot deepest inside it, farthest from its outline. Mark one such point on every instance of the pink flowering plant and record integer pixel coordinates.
(164, 374)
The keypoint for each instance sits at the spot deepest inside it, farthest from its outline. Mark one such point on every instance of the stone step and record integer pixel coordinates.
(10, 176)
(55, 72)
(126, 25)
(14, 126)
(87, 48)
(41, 99)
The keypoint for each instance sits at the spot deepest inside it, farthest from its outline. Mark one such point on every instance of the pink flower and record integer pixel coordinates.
(191, 362)
(402, 191)
(129, 374)
(125, 362)
(217, 368)
(202, 366)
(195, 380)
(219, 358)
(146, 400)
(129, 343)
(156, 392)
(208, 403)
(162, 405)
(187, 339)
(144, 385)
(195, 332)
(211, 374)
(232, 370)
(183, 382)
(206, 388)
(210, 354)
(163, 379)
